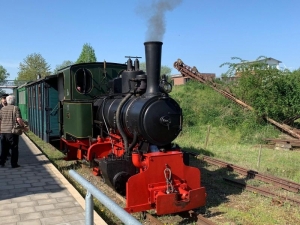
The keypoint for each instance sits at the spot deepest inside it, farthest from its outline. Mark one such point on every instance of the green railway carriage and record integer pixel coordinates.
(16, 94)
(21, 100)
(43, 108)
(78, 86)
(62, 104)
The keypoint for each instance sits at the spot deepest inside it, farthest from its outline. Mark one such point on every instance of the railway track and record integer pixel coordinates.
(199, 219)
(251, 174)
(262, 191)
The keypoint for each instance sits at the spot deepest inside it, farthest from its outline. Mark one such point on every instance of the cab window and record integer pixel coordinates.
(83, 80)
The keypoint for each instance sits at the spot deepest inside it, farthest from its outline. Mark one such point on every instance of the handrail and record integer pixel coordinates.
(118, 211)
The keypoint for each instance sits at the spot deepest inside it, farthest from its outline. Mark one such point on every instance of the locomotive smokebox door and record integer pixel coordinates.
(162, 121)
(159, 120)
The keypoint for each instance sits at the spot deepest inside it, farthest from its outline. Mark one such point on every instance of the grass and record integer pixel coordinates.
(256, 210)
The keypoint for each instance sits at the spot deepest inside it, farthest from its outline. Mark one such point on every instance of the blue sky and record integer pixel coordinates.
(203, 33)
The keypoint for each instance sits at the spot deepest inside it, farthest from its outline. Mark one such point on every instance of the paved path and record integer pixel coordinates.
(37, 194)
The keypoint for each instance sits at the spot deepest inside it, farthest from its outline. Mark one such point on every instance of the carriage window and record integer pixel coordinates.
(22, 97)
(83, 80)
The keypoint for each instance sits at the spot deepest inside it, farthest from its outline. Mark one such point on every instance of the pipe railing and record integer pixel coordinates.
(118, 211)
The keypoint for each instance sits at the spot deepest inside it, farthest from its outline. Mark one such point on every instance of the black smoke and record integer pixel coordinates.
(155, 15)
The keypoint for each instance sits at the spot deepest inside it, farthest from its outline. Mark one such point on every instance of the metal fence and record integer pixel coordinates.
(118, 211)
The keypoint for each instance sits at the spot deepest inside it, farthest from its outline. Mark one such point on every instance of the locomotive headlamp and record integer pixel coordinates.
(164, 85)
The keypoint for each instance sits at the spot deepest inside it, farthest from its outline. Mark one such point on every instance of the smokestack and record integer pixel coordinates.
(153, 64)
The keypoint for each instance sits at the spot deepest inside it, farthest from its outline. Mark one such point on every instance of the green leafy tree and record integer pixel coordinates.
(64, 64)
(3, 75)
(163, 70)
(87, 54)
(271, 92)
(32, 66)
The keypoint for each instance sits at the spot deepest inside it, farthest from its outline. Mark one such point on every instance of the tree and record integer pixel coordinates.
(87, 54)
(3, 73)
(32, 66)
(60, 66)
(271, 92)
(163, 69)
(3, 76)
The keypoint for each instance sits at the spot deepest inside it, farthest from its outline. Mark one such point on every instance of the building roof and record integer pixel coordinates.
(176, 76)
(268, 59)
(261, 60)
(203, 74)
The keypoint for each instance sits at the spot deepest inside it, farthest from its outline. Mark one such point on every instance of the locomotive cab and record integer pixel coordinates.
(79, 85)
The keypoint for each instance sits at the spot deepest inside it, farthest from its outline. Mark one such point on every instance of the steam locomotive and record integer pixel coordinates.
(122, 121)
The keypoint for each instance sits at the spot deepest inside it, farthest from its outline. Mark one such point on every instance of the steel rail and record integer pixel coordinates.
(251, 174)
(203, 221)
(262, 191)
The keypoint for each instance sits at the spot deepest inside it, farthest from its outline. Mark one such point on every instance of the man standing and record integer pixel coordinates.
(2, 104)
(3, 101)
(9, 140)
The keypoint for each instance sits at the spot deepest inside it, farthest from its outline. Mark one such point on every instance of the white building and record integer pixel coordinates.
(270, 62)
